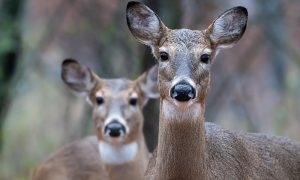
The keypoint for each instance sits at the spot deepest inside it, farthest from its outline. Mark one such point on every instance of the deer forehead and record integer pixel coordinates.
(181, 41)
(187, 37)
(118, 95)
(116, 88)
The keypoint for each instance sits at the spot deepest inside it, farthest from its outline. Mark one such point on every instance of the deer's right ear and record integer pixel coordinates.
(148, 84)
(144, 24)
(77, 77)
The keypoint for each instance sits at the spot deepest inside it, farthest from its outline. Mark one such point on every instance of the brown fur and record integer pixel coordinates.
(81, 160)
(187, 147)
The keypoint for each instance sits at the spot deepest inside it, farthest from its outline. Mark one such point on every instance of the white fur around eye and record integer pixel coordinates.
(205, 66)
(134, 95)
(99, 94)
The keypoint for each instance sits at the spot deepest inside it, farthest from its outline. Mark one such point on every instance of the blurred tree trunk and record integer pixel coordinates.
(9, 53)
(273, 25)
(151, 111)
(271, 18)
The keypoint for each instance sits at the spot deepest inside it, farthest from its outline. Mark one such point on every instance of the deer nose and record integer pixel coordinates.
(183, 91)
(114, 129)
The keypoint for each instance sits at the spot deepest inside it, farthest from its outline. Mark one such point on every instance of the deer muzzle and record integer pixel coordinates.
(115, 129)
(183, 91)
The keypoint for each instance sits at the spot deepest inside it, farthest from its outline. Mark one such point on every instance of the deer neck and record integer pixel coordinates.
(181, 142)
(136, 155)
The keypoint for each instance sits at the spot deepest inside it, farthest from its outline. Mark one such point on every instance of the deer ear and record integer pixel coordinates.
(148, 83)
(144, 24)
(229, 27)
(77, 77)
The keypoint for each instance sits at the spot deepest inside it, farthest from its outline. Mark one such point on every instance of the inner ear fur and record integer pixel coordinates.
(77, 77)
(144, 24)
(229, 27)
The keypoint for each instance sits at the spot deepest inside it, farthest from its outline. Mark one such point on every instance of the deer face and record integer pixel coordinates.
(184, 55)
(117, 103)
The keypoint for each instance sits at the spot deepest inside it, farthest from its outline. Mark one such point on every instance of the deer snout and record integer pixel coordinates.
(115, 129)
(183, 91)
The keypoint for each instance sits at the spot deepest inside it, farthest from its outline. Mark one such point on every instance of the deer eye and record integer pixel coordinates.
(164, 56)
(133, 101)
(99, 100)
(205, 58)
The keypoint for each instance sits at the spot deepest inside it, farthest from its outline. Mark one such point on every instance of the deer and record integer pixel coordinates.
(188, 147)
(118, 150)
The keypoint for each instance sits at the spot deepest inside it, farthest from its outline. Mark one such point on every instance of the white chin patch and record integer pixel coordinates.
(117, 154)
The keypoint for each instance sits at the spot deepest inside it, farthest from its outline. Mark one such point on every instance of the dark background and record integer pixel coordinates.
(255, 85)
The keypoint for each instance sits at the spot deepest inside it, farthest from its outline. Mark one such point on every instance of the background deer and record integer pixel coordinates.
(118, 151)
(187, 147)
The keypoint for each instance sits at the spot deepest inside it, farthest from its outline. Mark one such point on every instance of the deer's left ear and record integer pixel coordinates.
(228, 28)
(148, 83)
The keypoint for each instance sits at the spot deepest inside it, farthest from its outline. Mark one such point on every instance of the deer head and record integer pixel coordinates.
(117, 103)
(185, 56)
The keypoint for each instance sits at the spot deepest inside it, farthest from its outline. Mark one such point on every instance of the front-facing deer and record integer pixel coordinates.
(187, 147)
(118, 151)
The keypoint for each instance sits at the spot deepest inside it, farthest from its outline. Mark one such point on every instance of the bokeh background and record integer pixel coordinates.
(255, 85)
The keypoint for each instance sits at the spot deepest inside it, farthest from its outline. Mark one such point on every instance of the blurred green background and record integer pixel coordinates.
(255, 85)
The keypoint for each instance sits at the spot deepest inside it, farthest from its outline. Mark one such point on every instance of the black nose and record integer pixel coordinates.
(114, 129)
(183, 91)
